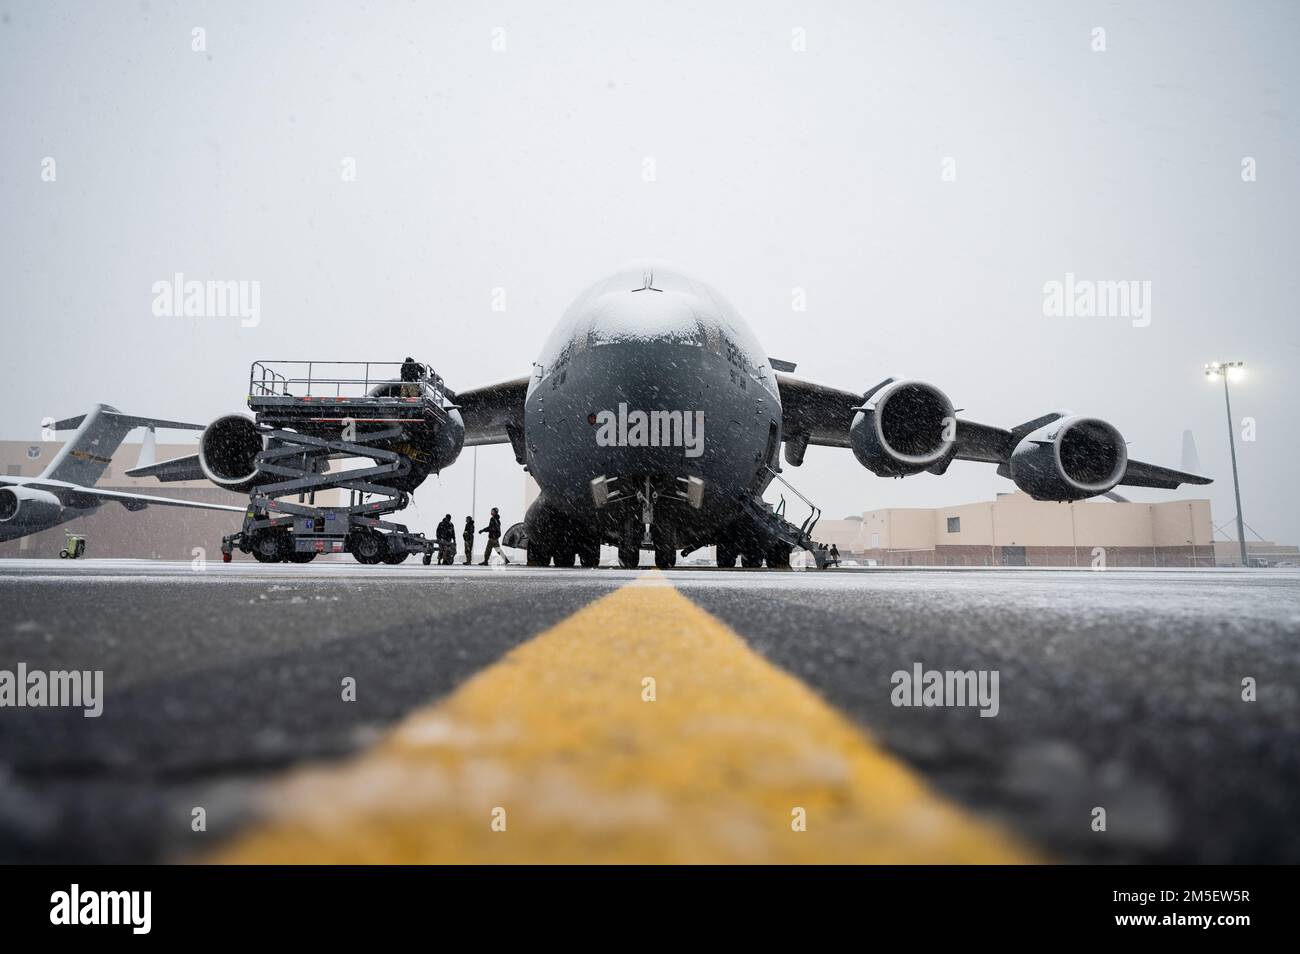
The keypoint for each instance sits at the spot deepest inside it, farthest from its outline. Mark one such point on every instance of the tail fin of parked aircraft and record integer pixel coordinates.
(98, 436)
(1191, 460)
(148, 448)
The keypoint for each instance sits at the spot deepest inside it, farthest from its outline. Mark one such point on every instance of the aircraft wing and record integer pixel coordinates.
(993, 445)
(814, 413)
(72, 495)
(169, 471)
(494, 414)
(822, 413)
(1140, 474)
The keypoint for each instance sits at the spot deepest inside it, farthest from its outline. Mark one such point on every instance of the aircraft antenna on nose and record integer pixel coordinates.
(648, 283)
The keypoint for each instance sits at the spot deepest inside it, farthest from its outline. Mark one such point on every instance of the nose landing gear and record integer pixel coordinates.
(654, 536)
(647, 534)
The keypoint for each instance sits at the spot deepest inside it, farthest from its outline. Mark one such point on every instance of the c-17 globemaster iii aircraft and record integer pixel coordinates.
(653, 420)
(65, 491)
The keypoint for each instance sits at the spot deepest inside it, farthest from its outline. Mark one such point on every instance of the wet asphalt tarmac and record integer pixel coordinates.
(1117, 689)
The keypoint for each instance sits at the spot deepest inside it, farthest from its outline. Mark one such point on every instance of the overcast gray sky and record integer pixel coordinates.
(775, 168)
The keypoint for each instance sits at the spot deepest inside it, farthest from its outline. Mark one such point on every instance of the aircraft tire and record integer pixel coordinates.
(629, 557)
(726, 555)
(779, 557)
(538, 555)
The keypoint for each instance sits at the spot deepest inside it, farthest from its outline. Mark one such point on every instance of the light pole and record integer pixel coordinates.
(1225, 370)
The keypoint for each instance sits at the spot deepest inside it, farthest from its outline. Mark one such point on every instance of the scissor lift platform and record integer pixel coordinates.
(325, 394)
(312, 412)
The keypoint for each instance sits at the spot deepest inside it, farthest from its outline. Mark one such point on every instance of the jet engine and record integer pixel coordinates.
(909, 426)
(36, 506)
(228, 452)
(1069, 459)
(428, 448)
(229, 447)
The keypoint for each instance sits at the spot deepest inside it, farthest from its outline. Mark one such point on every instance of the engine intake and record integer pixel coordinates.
(1070, 459)
(910, 427)
(36, 506)
(228, 452)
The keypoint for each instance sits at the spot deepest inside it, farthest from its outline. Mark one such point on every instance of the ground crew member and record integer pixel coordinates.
(493, 530)
(412, 371)
(468, 537)
(835, 555)
(446, 542)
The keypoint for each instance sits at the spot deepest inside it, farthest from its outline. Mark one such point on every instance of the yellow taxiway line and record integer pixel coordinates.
(641, 729)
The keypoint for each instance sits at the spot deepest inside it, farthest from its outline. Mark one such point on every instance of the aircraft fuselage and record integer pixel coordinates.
(651, 376)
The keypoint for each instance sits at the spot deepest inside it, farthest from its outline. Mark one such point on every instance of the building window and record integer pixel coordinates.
(954, 524)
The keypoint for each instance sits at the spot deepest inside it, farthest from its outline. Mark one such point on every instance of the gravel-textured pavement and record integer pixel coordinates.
(1117, 689)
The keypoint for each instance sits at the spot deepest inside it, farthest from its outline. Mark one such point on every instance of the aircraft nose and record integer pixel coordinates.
(644, 316)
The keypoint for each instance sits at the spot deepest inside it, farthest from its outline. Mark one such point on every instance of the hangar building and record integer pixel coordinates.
(1016, 530)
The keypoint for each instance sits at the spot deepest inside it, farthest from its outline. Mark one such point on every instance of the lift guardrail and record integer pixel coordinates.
(332, 379)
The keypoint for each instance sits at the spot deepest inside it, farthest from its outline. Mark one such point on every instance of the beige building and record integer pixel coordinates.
(1016, 530)
(163, 533)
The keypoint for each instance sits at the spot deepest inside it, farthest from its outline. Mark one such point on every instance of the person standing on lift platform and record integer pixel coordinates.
(412, 372)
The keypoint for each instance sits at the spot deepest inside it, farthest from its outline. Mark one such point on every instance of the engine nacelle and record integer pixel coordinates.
(229, 447)
(35, 506)
(910, 427)
(228, 452)
(1070, 459)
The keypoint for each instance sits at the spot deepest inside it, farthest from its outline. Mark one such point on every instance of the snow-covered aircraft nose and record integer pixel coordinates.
(653, 377)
